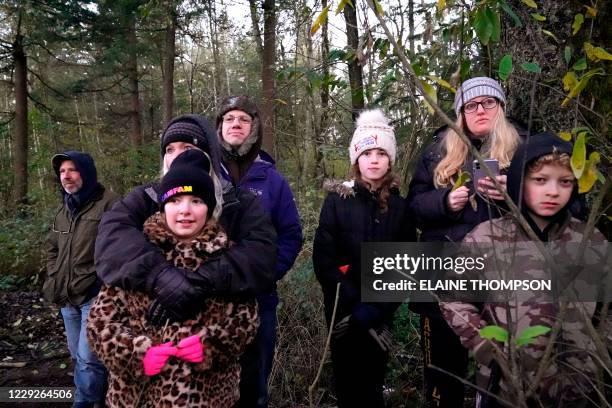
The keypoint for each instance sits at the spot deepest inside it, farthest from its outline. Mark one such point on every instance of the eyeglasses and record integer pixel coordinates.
(488, 104)
(243, 119)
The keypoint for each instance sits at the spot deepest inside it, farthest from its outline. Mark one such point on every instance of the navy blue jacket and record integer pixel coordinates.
(264, 181)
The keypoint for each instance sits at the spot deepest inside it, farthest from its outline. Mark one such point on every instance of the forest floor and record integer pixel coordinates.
(33, 351)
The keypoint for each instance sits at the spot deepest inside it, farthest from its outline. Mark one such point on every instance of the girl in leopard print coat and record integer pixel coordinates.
(156, 367)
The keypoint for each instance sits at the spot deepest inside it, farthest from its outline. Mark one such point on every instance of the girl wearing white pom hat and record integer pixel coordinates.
(366, 208)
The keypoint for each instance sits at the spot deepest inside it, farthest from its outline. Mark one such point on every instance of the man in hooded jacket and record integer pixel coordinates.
(247, 167)
(71, 276)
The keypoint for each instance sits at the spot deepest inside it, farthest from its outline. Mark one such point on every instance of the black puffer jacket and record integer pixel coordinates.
(350, 216)
(125, 259)
(428, 203)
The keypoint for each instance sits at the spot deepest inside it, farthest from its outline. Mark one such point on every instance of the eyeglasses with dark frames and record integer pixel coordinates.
(488, 103)
(243, 119)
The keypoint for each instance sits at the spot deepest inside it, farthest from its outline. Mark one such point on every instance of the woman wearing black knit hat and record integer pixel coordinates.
(181, 360)
(125, 259)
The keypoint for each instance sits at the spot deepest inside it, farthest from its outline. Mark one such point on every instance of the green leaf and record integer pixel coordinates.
(567, 136)
(495, 23)
(531, 67)
(465, 68)
(581, 85)
(463, 178)
(580, 65)
(506, 7)
(529, 334)
(494, 333)
(578, 160)
(538, 17)
(505, 67)
(483, 26)
(567, 54)
(578, 20)
(319, 21)
(530, 3)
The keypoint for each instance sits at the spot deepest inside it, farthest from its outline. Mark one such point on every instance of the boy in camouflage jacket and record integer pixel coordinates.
(549, 187)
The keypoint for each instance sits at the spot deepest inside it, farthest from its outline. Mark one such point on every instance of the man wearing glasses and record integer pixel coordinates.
(71, 279)
(239, 130)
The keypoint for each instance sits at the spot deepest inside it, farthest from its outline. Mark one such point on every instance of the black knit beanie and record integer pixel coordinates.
(189, 174)
(185, 131)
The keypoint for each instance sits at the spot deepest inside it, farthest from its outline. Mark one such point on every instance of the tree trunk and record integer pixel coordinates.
(132, 73)
(168, 67)
(256, 30)
(268, 73)
(20, 145)
(319, 142)
(354, 67)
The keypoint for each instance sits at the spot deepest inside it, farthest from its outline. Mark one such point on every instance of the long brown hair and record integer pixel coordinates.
(389, 181)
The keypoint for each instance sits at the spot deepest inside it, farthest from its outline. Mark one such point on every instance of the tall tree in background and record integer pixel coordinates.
(268, 75)
(354, 65)
(20, 143)
(169, 53)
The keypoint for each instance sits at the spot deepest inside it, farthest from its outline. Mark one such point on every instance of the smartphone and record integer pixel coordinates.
(479, 172)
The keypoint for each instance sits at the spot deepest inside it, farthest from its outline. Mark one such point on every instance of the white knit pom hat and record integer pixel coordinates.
(372, 132)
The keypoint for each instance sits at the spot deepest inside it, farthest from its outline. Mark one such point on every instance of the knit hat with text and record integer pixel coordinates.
(372, 132)
(189, 174)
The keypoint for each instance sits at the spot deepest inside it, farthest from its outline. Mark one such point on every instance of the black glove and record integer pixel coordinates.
(176, 299)
(366, 316)
(383, 337)
(341, 328)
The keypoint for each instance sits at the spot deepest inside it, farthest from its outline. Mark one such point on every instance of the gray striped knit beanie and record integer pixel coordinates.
(479, 86)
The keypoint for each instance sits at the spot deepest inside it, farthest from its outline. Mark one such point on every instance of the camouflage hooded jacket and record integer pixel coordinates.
(570, 373)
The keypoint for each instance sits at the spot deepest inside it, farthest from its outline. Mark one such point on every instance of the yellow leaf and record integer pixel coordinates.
(591, 12)
(379, 9)
(588, 178)
(538, 17)
(530, 3)
(596, 53)
(575, 91)
(342, 5)
(442, 83)
(463, 178)
(569, 81)
(578, 20)
(548, 33)
(319, 21)
(578, 159)
(431, 91)
(595, 157)
(441, 5)
(567, 136)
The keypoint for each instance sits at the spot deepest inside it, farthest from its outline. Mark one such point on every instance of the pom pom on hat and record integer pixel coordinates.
(372, 132)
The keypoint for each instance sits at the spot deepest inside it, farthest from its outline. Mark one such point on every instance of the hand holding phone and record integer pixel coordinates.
(483, 184)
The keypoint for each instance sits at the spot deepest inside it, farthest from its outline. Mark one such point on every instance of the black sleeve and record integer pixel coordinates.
(324, 253)
(248, 267)
(123, 256)
(426, 202)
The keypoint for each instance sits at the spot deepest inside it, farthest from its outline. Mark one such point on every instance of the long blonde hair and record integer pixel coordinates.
(500, 145)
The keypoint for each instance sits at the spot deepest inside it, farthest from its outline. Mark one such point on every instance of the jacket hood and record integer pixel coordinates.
(252, 144)
(534, 147)
(84, 163)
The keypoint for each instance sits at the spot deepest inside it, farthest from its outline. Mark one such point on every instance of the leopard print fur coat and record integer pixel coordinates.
(120, 335)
